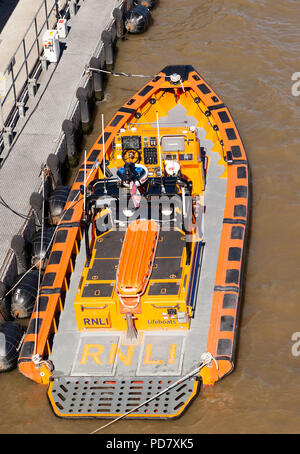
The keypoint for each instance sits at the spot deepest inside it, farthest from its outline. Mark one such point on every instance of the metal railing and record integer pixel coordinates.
(22, 65)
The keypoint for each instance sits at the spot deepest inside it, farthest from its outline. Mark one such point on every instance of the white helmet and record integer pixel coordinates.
(172, 168)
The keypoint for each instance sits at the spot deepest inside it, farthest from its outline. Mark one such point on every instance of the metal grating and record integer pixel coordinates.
(98, 397)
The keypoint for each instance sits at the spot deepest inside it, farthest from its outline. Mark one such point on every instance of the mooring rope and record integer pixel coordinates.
(175, 78)
(117, 74)
(206, 358)
(40, 263)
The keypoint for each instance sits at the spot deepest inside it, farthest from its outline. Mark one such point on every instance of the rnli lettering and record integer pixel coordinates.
(100, 322)
(147, 357)
(94, 351)
(126, 359)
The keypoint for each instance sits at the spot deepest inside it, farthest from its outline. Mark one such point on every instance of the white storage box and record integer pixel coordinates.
(62, 28)
(51, 46)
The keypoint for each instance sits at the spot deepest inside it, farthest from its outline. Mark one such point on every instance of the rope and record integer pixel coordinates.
(117, 74)
(40, 263)
(174, 77)
(5, 204)
(206, 360)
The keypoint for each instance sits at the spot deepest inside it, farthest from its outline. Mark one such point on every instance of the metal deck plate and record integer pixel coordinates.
(95, 397)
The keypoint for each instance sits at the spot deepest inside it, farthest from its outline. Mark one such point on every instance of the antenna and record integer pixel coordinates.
(84, 189)
(103, 152)
(158, 138)
(103, 145)
(86, 225)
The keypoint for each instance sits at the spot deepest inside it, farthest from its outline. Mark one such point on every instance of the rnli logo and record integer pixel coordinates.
(96, 353)
(97, 322)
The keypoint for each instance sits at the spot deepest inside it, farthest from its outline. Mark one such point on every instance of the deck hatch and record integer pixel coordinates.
(167, 268)
(170, 244)
(99, 290)
(109, 245)
(109, 397)
(163, 288)
(103, 270)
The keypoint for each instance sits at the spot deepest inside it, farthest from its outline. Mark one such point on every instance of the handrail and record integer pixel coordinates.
(24, 58)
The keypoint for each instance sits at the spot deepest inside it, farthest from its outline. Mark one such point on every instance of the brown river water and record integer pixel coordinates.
(248, 50)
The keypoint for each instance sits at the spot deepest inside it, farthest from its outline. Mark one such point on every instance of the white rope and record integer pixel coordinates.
(206, 360)
(174, 77)
(118, 74)
(40, 264)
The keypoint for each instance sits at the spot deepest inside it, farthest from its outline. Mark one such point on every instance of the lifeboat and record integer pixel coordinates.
(146, 268)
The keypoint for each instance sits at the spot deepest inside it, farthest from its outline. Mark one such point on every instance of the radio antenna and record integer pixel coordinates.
(103, 152)
(158, 139)
(84, 188)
